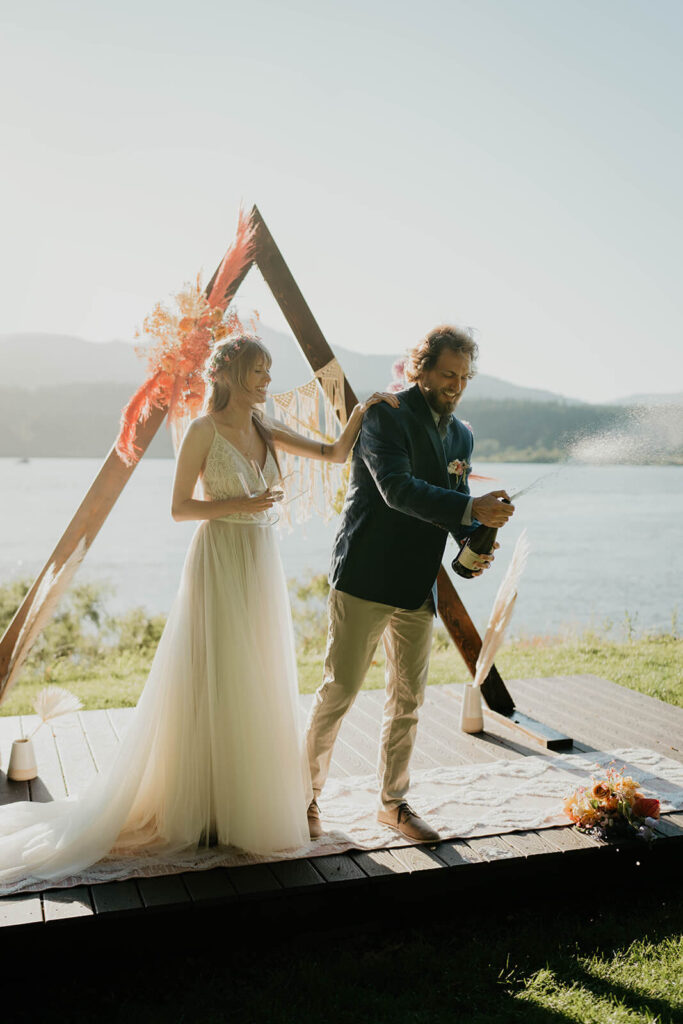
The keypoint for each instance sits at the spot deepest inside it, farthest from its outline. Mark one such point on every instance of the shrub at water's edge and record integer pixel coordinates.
(105, 659)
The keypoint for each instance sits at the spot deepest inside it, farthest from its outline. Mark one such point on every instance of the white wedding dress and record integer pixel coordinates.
(214, 751)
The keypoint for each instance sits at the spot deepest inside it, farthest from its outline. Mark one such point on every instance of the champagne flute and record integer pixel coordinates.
(269, 518)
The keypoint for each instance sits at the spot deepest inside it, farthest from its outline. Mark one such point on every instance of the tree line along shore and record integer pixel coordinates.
(49, 422)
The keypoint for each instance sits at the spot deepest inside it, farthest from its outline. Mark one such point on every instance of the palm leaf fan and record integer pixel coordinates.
(501, 613)
(50, 590)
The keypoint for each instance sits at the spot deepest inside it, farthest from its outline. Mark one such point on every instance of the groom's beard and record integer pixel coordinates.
(445, 407)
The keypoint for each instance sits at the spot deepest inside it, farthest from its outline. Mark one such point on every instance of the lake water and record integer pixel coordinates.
(605, 540)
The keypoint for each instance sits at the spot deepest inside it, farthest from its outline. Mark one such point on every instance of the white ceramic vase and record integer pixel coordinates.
(22, 762)
(471, 717)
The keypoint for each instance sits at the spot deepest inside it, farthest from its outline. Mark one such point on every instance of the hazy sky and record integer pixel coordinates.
(514, 165)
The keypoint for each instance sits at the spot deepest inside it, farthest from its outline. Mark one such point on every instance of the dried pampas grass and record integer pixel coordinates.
(53, 701)
(501, 613)
(46, 598)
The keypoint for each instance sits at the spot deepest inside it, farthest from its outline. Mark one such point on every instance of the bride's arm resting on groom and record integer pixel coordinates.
(198, 440)
(338, 451)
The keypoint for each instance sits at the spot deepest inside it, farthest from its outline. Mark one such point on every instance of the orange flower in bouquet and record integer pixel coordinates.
(612, 807)
(179, 342)
(644, 807)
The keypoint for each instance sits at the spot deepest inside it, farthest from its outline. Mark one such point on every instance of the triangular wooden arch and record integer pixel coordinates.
(114, 475)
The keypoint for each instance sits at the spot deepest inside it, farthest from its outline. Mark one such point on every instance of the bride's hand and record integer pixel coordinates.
(256, 503)
(379, 396)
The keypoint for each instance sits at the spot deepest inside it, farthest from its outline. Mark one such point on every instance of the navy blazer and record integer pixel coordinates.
(401, 504)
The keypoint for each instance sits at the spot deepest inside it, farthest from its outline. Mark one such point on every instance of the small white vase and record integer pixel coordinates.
(471, 717)
(22, 762)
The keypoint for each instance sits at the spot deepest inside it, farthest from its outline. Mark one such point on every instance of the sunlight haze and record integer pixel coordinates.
(511, 166)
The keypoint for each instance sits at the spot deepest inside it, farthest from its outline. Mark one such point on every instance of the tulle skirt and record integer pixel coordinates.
(214, 750)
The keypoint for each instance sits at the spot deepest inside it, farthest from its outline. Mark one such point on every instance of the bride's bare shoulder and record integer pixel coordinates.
(201, 426)
(199, 434)
(276, 428)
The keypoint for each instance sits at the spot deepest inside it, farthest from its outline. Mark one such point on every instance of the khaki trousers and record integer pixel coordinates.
(355, 627)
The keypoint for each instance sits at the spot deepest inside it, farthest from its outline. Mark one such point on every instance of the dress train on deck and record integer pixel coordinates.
(214, 750)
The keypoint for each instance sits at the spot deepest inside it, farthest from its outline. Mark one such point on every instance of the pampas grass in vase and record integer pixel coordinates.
(471, 716)
(51, 702)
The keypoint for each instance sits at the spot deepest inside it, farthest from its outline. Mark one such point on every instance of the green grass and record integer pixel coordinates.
(649, 664)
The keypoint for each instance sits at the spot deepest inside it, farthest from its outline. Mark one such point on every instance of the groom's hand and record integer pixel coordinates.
(484, 561)
(493, 509)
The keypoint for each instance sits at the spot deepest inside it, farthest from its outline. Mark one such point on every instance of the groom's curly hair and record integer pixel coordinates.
(425, 355)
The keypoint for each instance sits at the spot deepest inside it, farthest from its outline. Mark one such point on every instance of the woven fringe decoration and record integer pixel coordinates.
(317, 410)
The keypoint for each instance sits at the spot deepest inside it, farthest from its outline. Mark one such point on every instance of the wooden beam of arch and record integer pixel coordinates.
(114, 474)
(92, 512)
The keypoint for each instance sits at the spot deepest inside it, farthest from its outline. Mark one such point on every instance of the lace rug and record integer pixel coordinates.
(461, 802)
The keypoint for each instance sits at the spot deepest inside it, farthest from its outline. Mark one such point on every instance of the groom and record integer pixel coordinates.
(408, 490)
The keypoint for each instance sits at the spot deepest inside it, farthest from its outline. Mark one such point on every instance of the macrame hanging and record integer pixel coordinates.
(317, 410)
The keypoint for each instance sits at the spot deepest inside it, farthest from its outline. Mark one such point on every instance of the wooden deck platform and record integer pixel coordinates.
(359, 885)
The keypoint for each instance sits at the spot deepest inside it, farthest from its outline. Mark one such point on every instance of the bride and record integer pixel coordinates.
(213, 753)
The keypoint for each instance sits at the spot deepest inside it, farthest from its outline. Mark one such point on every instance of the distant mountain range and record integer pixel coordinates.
(34, 361)
(62, 396)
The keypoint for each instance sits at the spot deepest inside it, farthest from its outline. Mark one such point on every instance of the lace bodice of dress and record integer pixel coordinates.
(223, 468)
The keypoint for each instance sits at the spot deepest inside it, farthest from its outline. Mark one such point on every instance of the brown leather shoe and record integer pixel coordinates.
(403, 819)
(315, 829)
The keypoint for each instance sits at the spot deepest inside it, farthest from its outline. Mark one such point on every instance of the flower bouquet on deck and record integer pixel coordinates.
(612, 808)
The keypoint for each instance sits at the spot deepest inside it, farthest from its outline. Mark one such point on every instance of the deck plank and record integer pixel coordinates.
(566, 837)
(62, 904)
(599, 714)
(670, 825)
(78, 764)
(495, 743)
(163, 890)
(530, 843)
(120, 719)
(648, 708)
(592, 695)
(435, 725)
(296, 874)
(50, 784)
(419, 858)
(491, 848)
(253, 878)
(100, 736)
(22, 909)
(604, 724)
(339, 867)
(503, 740)
(213, 884)
(378, 862)
(116, 897)
(456, 853)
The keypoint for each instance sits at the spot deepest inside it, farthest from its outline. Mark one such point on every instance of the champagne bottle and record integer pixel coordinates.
(478, 543)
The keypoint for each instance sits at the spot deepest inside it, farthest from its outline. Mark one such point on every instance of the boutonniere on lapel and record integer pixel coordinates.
(458, 468)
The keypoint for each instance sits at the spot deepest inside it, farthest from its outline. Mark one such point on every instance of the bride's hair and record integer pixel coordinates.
(226, 371)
